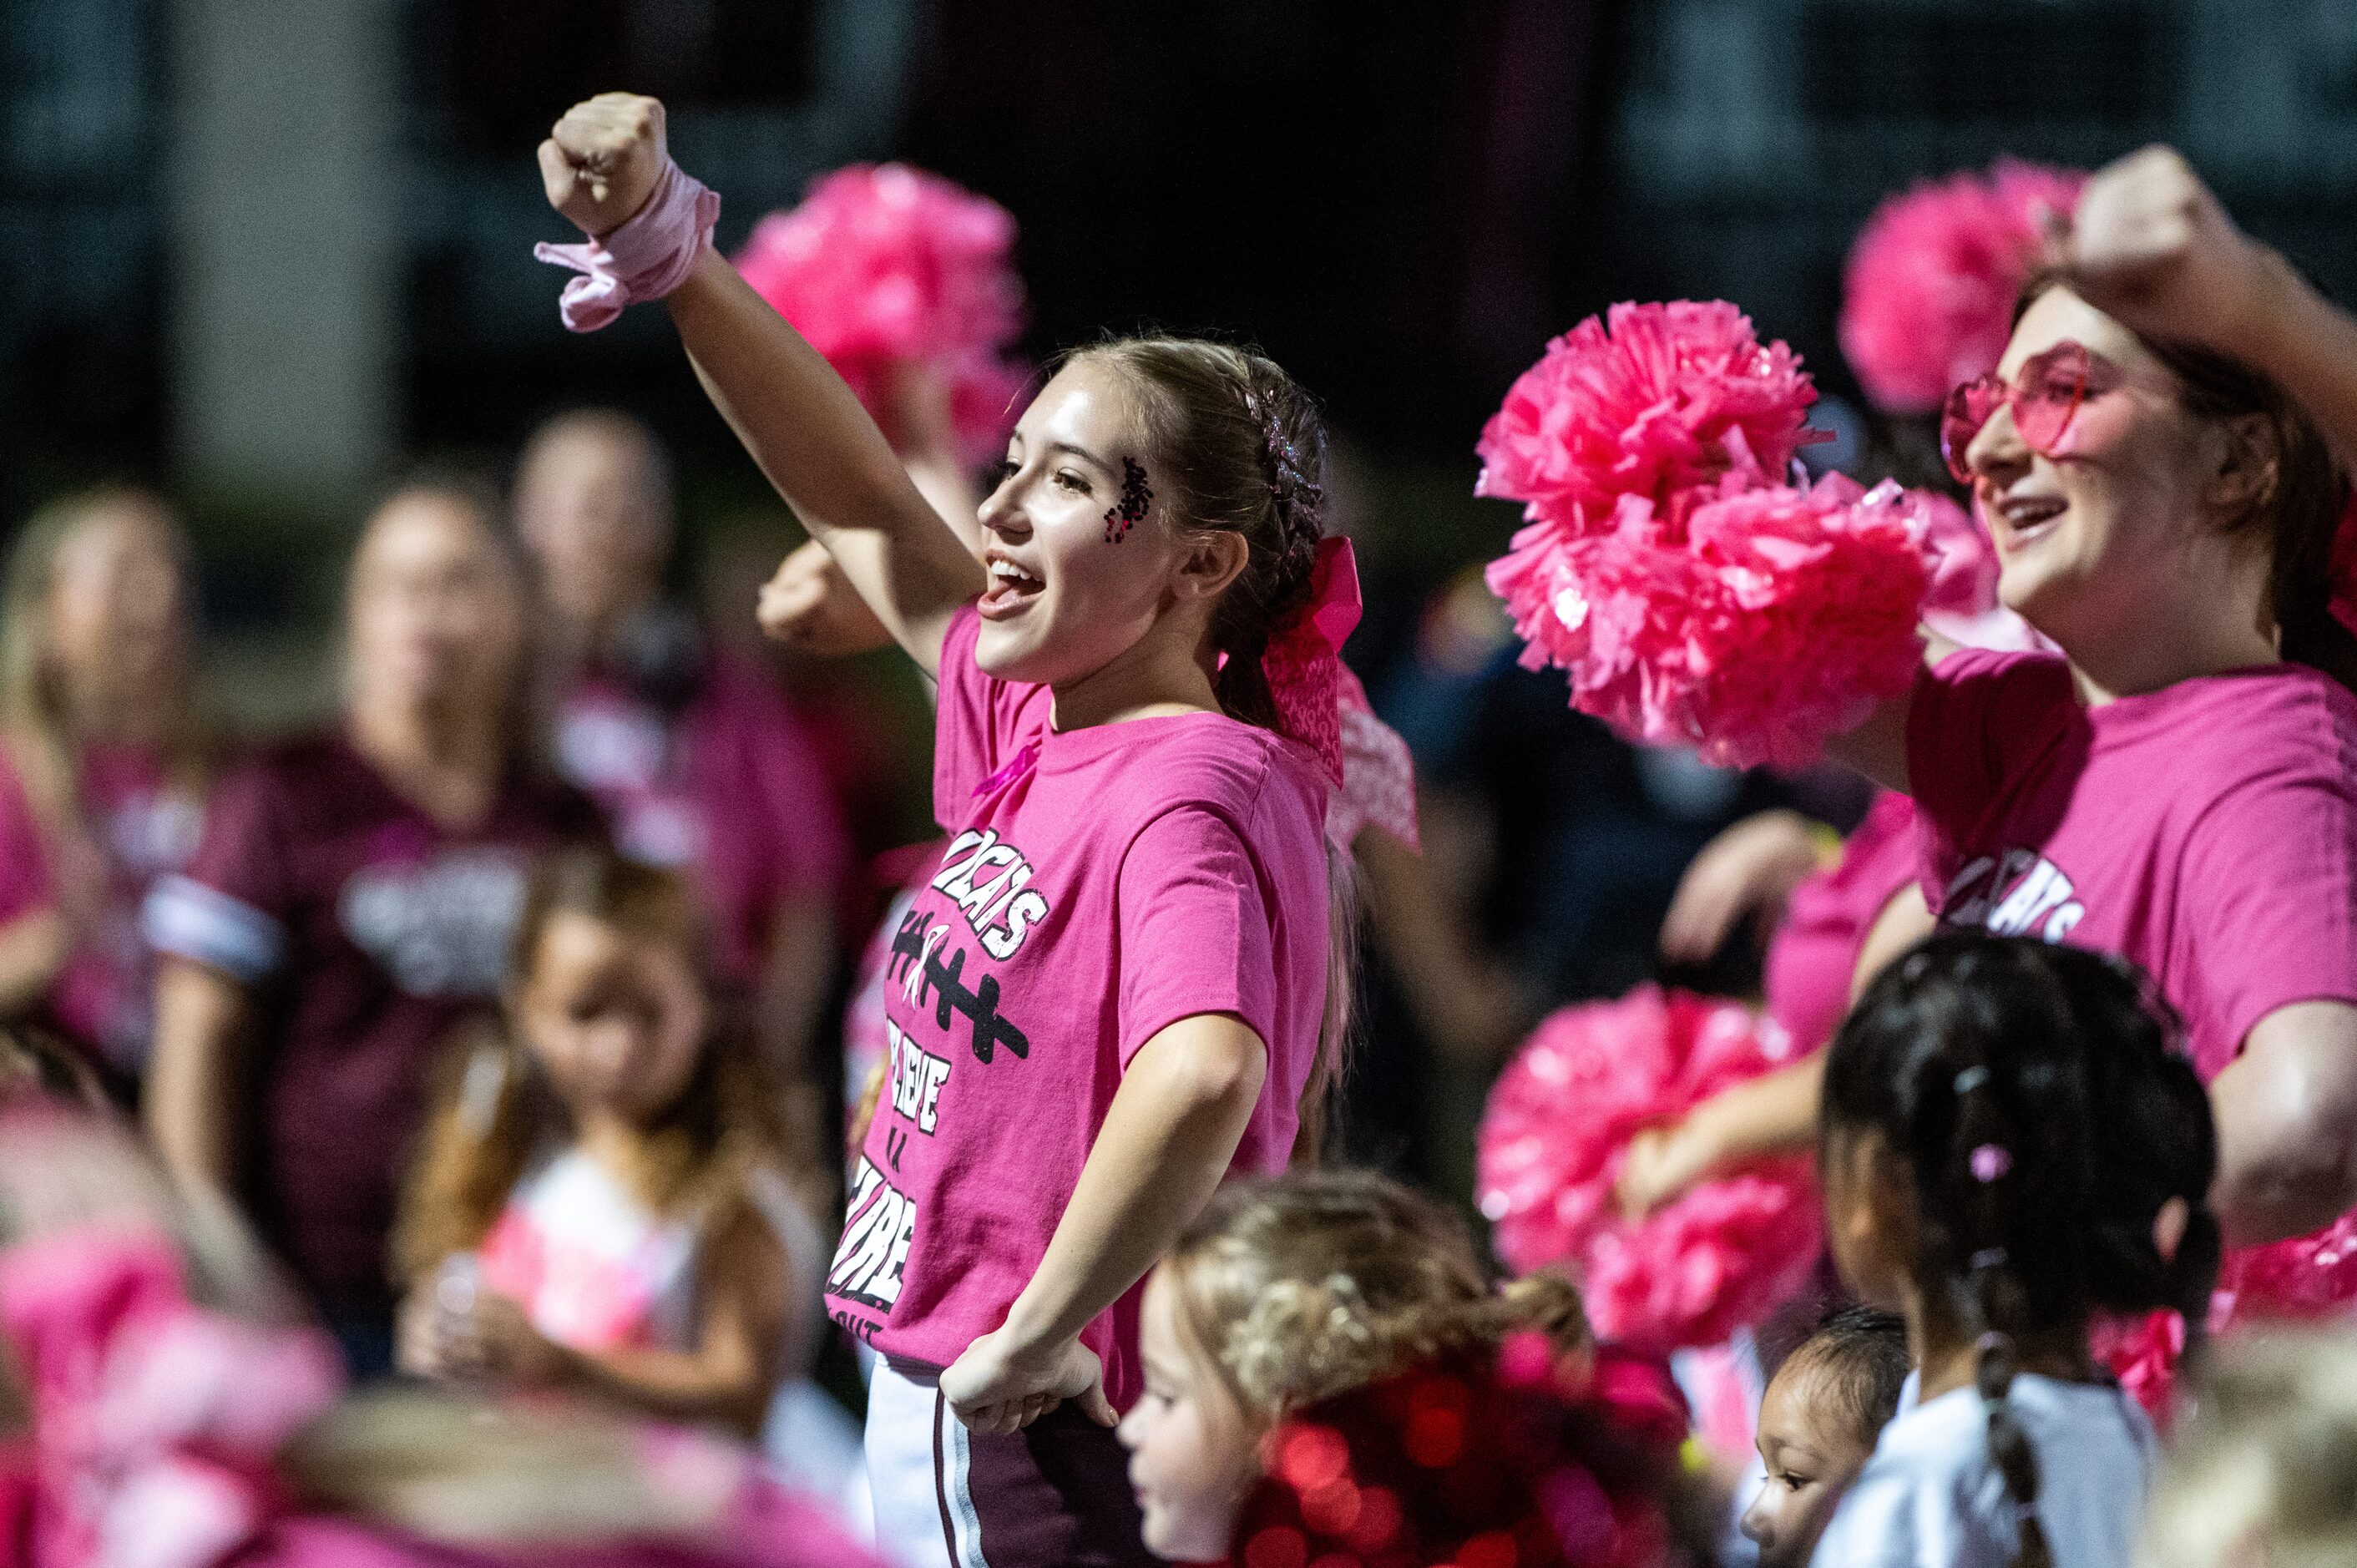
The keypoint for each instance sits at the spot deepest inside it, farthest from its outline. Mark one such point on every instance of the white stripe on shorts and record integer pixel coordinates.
(957, 1491)
(918, 1463)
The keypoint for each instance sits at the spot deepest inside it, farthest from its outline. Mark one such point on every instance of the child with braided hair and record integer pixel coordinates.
(1117, 987)
(2011, 1142)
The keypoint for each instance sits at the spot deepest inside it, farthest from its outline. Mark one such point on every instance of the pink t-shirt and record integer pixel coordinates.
(2208, 829)
(1814, 960)
(727, 784)
(1100, 884)
(135, 826)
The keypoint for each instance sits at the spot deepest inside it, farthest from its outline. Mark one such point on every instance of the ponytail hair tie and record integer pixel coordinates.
(1989, 1162)
(1972, 1078)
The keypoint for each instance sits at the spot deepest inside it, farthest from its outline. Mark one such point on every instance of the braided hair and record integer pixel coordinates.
(2038, 1096)
(1234, 445)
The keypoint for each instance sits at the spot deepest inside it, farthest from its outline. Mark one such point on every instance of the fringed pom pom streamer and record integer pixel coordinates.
(1780, 619)
(1647, 403)
(884, 265)
(2301, 1278)
(1927, 297)
(1556, 1134)
(1693, 597)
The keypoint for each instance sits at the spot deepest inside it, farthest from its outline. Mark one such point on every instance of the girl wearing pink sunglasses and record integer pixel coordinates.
(2155, 460)
(2160, 460)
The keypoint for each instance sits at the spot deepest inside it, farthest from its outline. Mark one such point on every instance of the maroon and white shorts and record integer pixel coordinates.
(1055, 1495)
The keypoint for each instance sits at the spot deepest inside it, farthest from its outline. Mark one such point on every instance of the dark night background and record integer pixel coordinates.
(1400, 200)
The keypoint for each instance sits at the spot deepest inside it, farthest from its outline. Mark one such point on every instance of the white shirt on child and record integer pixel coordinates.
(597, 1270)
(1931, 1496)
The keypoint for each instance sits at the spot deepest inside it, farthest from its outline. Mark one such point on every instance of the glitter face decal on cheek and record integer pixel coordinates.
(1135, 495)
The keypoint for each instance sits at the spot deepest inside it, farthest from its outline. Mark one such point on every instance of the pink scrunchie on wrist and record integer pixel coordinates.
(644, 259)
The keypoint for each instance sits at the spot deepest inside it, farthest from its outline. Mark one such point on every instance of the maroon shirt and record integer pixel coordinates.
(368, 933)
(726, 783)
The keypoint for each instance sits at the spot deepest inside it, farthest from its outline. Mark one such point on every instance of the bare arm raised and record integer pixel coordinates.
(2152, 247)
(600, 165)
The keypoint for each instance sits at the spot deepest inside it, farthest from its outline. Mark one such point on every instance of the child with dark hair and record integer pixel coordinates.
(1818, 1423)
(2012, 1141)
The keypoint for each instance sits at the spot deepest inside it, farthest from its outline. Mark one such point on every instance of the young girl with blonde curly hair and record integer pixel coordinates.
(1329, 1367)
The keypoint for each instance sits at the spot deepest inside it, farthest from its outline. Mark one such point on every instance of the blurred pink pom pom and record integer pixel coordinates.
(884, 265)
(1774, 618)
(1812, 618)
(2306, 1277)
(1555, 1133)
(2302, 1277)
(1649, 402)
(1927, 297)
(2143, 1353)
(1960, 557)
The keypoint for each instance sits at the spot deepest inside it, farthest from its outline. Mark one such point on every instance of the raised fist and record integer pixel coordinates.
(2150, 246)
(602, 161)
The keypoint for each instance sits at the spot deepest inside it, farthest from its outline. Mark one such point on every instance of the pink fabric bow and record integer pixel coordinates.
(644, 259)
(1303, 661)
(155, 1422)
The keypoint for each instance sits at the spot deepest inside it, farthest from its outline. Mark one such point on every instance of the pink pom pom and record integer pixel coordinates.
(1927, 298)
(2302, 1277)
(1960, 556)
(883, 265)
(1555, 1133)
(2143, 1353)
(1663, 398)
(1779, 619)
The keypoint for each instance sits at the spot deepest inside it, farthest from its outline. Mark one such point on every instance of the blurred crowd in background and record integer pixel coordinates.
(266, 324)
(308, 492)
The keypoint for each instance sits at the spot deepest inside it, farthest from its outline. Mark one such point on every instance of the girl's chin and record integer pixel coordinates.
(2025, 584)
(1176, 1541)
(1004, 653)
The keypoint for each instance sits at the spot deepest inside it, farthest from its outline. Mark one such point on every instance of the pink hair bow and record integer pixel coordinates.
(155, 1421)
(644, 259)
(1303, 661)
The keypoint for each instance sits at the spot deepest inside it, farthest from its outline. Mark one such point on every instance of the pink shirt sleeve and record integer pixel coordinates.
(25, 880)
(1974, 717)
(1194, 929)
(973, 726)
(2270, 887)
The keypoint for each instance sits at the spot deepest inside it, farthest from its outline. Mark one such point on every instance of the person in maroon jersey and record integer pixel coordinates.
(690, 749)
(351, 902)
